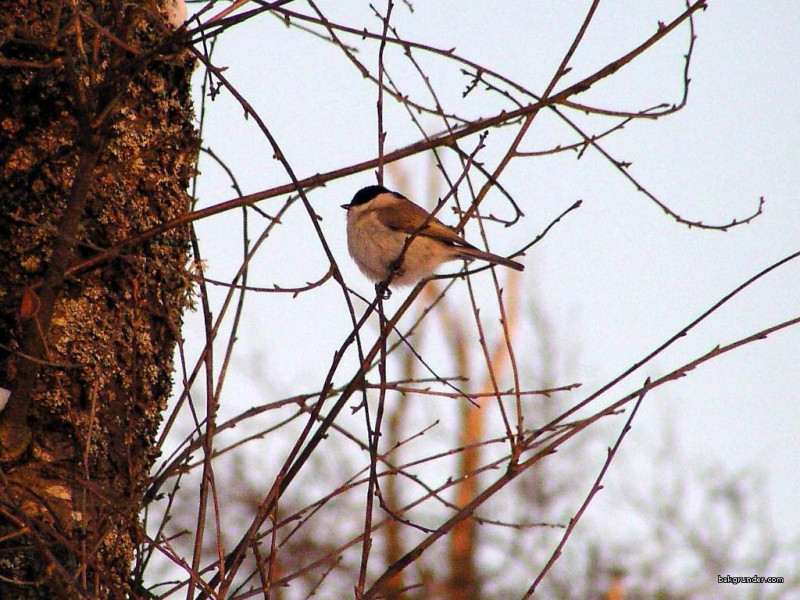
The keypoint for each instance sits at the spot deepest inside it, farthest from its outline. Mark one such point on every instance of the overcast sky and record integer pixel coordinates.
(618, 277)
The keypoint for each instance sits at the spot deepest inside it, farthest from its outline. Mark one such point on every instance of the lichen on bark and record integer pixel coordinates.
(96, 145)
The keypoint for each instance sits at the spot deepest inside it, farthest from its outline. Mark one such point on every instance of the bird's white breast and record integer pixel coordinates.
(374, 248)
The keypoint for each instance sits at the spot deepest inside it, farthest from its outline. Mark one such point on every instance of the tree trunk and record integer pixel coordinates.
(96, 145)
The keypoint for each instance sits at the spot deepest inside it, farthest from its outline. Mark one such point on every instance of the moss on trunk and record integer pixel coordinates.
(96, 145)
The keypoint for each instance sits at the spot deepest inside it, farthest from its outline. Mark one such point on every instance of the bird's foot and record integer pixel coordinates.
(383, 290)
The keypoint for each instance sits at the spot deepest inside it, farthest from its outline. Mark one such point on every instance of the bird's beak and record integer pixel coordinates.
(346, 206)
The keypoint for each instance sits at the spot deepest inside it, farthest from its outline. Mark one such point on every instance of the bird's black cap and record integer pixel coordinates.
(366, 194)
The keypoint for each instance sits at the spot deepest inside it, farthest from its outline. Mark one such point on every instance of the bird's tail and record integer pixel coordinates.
(469, 252)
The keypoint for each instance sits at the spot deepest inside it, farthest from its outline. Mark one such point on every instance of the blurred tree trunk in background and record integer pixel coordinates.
(96, 145)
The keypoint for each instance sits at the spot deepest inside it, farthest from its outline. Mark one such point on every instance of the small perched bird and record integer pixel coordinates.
(380, 221)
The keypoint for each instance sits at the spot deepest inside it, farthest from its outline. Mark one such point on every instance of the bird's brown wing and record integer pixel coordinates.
(409, 218)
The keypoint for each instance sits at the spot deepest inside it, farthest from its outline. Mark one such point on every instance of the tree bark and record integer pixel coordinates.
(96, 145)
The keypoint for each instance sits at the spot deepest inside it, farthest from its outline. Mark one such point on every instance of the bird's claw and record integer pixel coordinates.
(383, 290)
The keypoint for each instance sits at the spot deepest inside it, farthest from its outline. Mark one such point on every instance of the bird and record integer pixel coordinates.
(379, 221)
